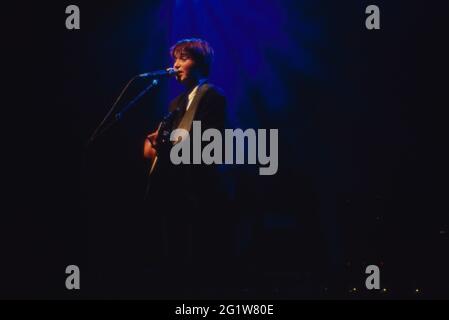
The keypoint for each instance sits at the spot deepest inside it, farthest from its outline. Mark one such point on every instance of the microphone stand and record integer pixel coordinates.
(105, 125)
(102, 128)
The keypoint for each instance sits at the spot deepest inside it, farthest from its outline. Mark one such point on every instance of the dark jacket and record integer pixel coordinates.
(192, 200)
(193, 190)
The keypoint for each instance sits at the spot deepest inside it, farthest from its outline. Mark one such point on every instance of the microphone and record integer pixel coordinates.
(159, 74)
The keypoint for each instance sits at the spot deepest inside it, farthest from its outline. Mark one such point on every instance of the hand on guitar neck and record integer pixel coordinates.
(150, 145)
(156, 143)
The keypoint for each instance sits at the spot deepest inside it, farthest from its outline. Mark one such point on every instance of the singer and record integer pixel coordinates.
(190, 200)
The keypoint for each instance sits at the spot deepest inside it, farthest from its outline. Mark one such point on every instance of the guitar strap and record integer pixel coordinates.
(187, 119)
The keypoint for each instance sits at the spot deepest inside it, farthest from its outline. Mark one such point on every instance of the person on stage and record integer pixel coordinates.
(190, 199)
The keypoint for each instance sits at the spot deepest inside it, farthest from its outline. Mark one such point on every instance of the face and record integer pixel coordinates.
(187, 69)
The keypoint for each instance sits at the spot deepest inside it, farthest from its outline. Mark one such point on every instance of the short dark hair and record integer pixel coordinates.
(198, 50)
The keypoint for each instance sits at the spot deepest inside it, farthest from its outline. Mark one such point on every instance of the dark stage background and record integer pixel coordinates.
(362, 173)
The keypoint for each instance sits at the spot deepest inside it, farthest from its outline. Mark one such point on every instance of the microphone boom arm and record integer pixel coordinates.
(102, 128)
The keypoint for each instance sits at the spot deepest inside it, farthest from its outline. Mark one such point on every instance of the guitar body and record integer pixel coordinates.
(160, 145)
